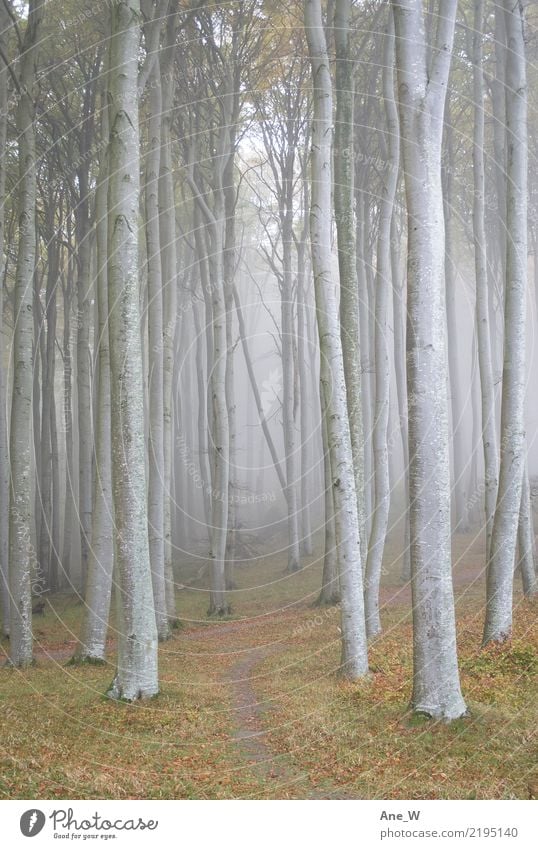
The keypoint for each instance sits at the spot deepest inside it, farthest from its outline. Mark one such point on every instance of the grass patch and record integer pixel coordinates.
(61, 737)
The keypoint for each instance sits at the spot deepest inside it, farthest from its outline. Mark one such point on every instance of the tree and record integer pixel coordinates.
(167, 222)
(499, 590)
(330, 592)
(156, 492)
(378, 534)
(136, 675)
(423, 62)
(346, 236)
(354, 661)
(483, 330)
(455, 402)
(83, 228)
(20, 550)
(101, 554)
(47, 473)
(4, 455)
(398, 308)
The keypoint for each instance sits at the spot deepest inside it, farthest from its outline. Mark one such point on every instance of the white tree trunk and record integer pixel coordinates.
(167, 224)
(422, 89)
(229, 277)
(217, 357)
(483, 330)
(398, 308)
(220, 431)
(304, 383)
(84, 391)
(350, 309)
(365, 310)
(288, 377)
(136, 675)
(203, 342)
(459, 459)
(71, 477)
(203, 451)
(525, 538)
(101, 555)
(47, 554)
(329, 593)
(21, 563)
(354, 661)
(499, 591)
(376, 543)
(156, 493)
(4, 455)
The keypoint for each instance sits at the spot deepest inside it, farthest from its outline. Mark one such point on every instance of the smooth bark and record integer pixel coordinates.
(376, 542)
(483, 329)
(92, 643)
(21, 553)
(136, 675)
(344, 173)
(156, 492)
(499, 589)
(354, 658)
(422, 91)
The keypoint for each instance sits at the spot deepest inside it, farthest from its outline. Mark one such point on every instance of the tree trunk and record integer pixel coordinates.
(203, 340)
(167, 224)
(304, 383)
(354, 660)
(84, 392)
(218, 603)
(136, 675)
(71, 488)
(329, 593)
(454, 343)
(288, 374)
(156, 492)
(101, 556)
(4, 455)
(203, 449)
(365, 309)
(422, 89)
(376, 542)
(229, 278)
(525, 538)
(398, 307)
(344, 172)
(499, 591)
(21, 563)
(47, 562)
(483, 330)
(38, 377)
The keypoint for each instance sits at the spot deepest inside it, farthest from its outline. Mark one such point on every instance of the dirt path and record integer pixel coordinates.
(251, 736)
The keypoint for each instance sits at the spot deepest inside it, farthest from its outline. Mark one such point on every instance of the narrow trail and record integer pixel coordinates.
(250, 735)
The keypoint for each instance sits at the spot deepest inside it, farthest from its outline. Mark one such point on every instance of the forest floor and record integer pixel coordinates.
(252, 707)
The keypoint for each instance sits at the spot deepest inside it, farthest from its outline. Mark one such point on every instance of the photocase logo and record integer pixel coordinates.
(32, 822)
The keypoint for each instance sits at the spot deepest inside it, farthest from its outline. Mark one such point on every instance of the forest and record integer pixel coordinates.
(268, 460)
